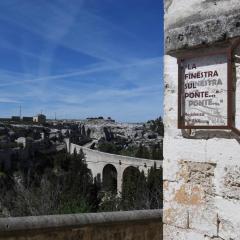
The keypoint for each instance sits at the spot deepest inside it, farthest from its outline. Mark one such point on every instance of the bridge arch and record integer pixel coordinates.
(109, 178)
(131, 186)
(130, 174)
(97, 160)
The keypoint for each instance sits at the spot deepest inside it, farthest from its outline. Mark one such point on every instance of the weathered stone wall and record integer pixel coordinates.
(141, 225)
(195, 22)
(201, 169)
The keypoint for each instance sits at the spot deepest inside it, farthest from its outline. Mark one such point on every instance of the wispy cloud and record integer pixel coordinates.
(8, 100)
(79, 29)
(76, 57)
(90, 70)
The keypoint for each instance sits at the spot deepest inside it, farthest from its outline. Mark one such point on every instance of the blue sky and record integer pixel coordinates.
(82, 58)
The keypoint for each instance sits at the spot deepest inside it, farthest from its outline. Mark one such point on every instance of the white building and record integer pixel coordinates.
(40, 118)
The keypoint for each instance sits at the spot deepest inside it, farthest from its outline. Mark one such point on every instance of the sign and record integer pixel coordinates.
(203, 91)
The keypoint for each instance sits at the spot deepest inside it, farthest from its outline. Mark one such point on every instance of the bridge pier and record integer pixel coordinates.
(119, 179)
(97, 160)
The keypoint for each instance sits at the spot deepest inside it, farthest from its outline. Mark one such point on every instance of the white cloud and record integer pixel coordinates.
(8, 100)
(119, 79)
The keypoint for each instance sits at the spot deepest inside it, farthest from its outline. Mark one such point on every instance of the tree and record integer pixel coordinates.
(132, 187)
(142, 201)
(88, 132)
(146, 153)
(108, 147)
(49, 184)
(157, 153)
(143, 152)
(94, 197)
(157, 126)
(155, 187)
(139, 153)
(109, 202)
(83, 131)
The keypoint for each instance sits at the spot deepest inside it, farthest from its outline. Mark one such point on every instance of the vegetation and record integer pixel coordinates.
(8, 145)
(140, 191)
(40, 182)
(61, 183)
(153, 152)
(157, 126)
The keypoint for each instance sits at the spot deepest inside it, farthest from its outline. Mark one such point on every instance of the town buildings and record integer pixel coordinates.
(40, 118)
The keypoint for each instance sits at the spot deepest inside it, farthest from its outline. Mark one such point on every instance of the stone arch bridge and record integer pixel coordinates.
(105, 164)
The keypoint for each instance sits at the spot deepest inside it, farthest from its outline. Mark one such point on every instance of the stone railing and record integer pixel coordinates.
(129, 225)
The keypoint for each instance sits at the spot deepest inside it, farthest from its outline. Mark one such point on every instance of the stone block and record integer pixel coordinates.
(212, 238)
(171, 130)
(174, 233)
(171, 106)
(189, 183)
(175, 215)
(228, 181)
(170, 71)
(189, 194)
(184, 194)
(198, 174)
(204, 219)
(170, 170)
(223, 150)
(185, 149)
(199, 22)
(229, 218)
(170, 190)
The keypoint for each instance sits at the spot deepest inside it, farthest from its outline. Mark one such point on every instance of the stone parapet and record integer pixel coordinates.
(141, 225)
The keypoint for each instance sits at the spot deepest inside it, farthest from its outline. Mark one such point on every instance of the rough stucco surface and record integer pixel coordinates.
(201, 170)
(196, 22)
(201, 173)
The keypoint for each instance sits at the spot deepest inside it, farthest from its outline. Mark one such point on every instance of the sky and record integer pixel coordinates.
(82, 58)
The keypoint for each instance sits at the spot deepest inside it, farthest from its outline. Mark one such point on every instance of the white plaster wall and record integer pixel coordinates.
(201, 174)
(237, 93)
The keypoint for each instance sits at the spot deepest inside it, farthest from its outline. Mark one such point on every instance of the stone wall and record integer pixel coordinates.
(201, 168)
(141, 225)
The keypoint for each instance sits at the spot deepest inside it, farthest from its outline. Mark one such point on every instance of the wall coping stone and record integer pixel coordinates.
(48, 222)
(195, 24)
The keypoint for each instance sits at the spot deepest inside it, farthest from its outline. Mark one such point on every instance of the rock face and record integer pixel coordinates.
(130, 132)
(102, 128)
(201, 169)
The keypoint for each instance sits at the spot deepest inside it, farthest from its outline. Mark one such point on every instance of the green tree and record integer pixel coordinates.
(109, 202)
(140, 150)
(143, 152)
(78, 180)
(108, 147)
(157, 153)
(155, 187)
(133, 186)
(157, 126)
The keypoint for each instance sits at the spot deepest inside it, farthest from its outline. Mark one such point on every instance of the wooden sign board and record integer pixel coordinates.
(204, 91)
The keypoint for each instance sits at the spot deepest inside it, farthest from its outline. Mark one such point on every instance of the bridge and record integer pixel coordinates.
(112, 167)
